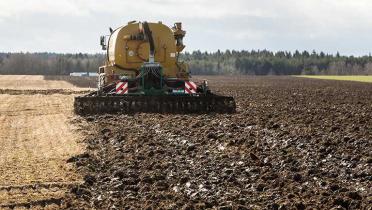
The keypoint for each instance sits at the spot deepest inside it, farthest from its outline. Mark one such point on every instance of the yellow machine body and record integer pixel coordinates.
(142, 74)
(127, 50)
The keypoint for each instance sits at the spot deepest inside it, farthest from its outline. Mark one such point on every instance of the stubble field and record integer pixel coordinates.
(36, 139)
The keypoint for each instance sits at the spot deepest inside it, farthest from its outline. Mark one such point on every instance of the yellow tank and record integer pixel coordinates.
(128, 48)
(142, 74)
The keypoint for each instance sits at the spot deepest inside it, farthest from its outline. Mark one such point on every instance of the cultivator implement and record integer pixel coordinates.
(143, 73)
(91, 105)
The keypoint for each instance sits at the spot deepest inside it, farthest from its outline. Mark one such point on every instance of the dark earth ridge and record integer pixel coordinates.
(294, 143)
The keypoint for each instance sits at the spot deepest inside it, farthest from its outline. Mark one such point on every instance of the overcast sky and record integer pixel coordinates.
(75, 25)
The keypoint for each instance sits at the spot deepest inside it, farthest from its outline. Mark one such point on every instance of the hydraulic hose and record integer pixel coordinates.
(148, 33)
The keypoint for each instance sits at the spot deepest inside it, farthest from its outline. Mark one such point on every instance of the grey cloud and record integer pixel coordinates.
(237, 24)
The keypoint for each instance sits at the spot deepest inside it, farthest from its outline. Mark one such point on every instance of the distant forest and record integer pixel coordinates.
(229, 62)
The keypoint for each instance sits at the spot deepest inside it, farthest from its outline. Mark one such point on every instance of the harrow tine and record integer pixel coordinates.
(90, 105)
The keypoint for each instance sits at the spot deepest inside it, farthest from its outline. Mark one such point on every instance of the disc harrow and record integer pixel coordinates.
(91, 105)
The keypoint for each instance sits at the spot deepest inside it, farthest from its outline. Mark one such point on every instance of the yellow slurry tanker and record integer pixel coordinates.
(143, 73)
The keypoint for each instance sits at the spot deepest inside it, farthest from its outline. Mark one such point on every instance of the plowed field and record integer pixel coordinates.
(294, 143)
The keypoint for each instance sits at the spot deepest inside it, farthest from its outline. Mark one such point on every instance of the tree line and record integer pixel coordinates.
(255, 62)
(277, 63)
(49, 63)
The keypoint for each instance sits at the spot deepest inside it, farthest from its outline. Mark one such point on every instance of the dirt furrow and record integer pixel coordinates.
(53, 202)
(293, 144)
(42, 92)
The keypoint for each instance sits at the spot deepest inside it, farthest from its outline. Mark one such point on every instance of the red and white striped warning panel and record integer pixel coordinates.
(121, 88)
(190, 87)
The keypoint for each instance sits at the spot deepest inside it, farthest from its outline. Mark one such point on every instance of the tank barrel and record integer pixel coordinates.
(143, 73)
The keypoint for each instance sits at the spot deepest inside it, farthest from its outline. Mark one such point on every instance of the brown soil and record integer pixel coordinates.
(81, 82)
(39, 82)
(42, 92)
(293, 144)
(36, 139)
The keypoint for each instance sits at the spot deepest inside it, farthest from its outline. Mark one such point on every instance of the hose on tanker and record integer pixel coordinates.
(148, 33)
